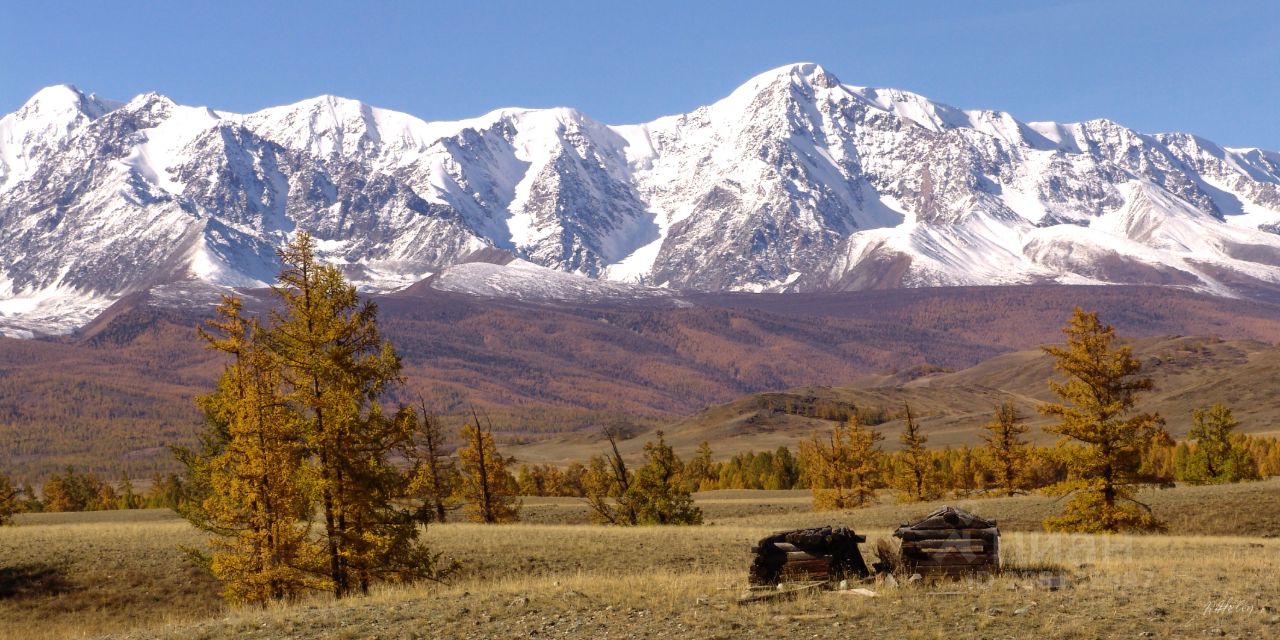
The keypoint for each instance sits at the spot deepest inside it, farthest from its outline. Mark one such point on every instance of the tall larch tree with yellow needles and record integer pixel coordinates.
(256, 503)
(336, 367)
(843, 467)
(917, 475)
(1007, 452)
(487, 487)
(1102, 435)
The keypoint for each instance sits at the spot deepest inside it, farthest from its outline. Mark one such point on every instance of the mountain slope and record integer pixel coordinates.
(794, 182)
(119, 390)
(1188, 372)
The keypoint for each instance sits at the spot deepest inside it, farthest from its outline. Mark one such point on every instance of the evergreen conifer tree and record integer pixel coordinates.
(698, 471)
(659, 492)
(1217, 457)
(128, 499)
(10, 499)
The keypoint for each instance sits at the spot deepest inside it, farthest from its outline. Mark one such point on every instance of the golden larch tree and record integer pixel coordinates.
(486, 485)
(256, 505)
(917, 475)
(1102, 436)
(336, 367)
(1008, 453)
(843, 467)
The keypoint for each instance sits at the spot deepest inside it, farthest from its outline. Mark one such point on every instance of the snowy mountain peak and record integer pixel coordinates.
(58, 101)
(792, 182)
(331, 126)
(799, 72)
(41, 126)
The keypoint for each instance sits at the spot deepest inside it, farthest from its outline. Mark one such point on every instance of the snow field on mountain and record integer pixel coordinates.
(793, 182)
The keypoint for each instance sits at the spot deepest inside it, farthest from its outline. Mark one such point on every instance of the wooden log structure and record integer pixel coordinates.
(818, 554)
(950, 542)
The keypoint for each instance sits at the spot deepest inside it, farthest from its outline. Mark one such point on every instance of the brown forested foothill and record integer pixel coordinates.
(113, 397)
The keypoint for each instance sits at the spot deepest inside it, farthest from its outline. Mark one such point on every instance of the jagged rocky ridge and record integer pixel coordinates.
(794, 182)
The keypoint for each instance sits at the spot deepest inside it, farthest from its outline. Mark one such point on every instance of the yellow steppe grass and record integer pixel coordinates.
(583, 581)
(84, 575)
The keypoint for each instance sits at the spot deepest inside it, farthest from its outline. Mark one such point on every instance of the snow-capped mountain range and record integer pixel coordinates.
(794, 182)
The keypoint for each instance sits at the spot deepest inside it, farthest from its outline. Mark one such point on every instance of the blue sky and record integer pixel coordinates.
(1207, 68)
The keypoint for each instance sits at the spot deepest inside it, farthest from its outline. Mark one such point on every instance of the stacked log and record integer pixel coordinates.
(818, 554)
(950, 542)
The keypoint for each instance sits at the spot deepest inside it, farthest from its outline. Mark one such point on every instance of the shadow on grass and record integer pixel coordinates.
(32, 581)
(1034, 569)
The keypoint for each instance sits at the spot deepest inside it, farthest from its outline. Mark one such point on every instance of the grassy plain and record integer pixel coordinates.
(85, 575)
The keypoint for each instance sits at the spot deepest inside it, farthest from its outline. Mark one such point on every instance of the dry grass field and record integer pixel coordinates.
(121, 573)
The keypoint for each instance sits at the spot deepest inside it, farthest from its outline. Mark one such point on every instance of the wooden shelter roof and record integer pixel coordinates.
(949, 517)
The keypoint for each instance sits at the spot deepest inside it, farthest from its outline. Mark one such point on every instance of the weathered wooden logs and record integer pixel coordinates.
(952, 542)
(819, 554)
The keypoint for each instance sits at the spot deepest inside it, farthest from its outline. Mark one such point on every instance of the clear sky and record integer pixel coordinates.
(1211, 68)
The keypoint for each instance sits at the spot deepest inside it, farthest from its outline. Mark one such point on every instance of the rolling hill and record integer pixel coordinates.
(111, 396)
(1188, 372)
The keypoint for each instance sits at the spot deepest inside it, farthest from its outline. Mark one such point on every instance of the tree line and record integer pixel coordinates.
(306, 481)
(1004, 465)
(1107, 449)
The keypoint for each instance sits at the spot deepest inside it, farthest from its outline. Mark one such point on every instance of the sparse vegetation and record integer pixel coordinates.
(434, 478)
(76, 575)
